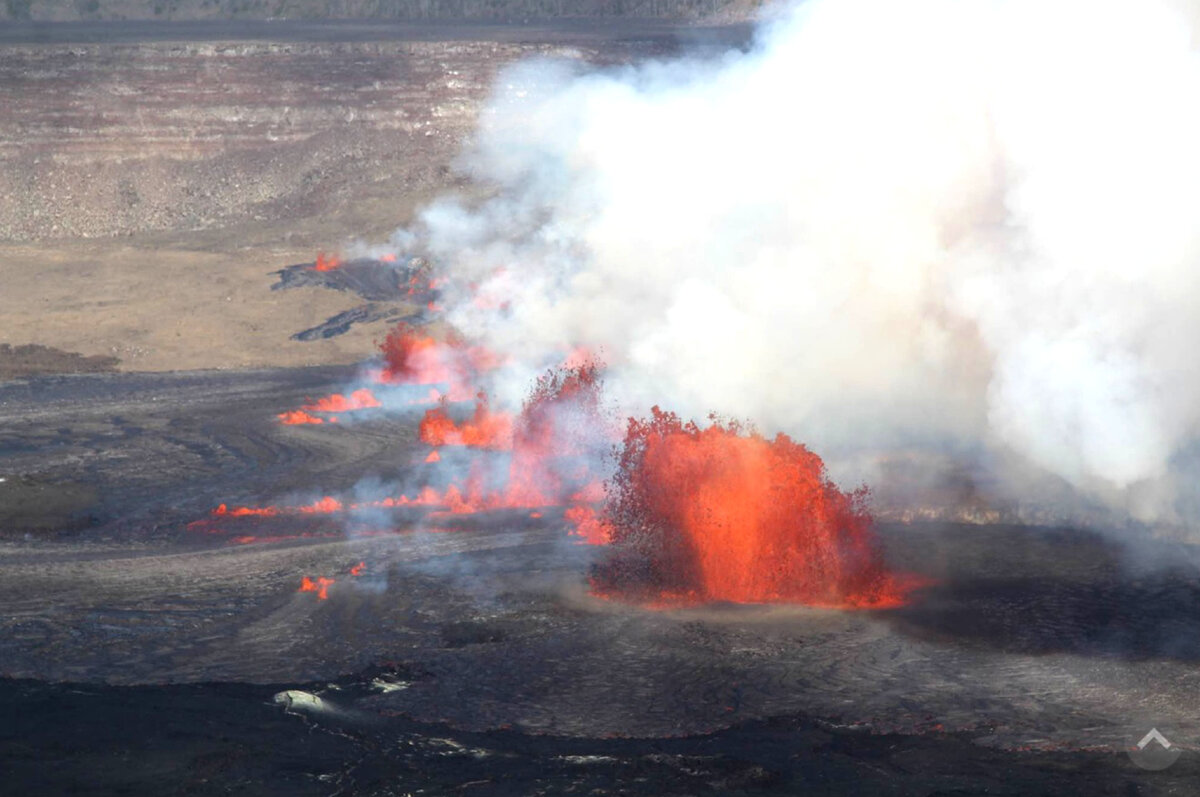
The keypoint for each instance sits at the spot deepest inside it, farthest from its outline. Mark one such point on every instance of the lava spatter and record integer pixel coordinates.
(720, 513)
(326, 263)
(360, 399)
(412, 357)
(484, 429)
(319, 585)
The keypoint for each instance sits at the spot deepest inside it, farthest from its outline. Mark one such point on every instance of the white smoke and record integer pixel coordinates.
(963, 222)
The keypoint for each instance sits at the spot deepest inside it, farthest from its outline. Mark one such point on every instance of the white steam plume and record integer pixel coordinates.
(936, 221)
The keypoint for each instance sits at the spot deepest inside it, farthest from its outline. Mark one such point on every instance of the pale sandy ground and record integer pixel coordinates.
(157, 306)
(161, 310)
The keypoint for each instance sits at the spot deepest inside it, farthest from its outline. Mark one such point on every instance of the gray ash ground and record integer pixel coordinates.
(144, 641)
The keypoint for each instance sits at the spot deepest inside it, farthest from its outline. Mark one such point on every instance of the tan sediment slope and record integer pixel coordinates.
(148, 188)
(162, 309)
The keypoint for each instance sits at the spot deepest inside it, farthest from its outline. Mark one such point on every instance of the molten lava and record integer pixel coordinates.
(361, 399)
(326, 264)
(246, 511)
(484, 429)
(560, 439)
(358, 400)
(588, 526)
(319, 586)
(718, 514)
(326, 505)
(413, 358)
(557, 443)
(300, 417)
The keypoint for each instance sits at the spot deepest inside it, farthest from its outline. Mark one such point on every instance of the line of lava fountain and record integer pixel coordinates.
(697, 515)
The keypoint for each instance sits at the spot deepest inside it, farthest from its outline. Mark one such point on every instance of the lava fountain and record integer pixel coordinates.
(698, 515)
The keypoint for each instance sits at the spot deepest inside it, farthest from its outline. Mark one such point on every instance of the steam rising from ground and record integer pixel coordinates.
(964, 224)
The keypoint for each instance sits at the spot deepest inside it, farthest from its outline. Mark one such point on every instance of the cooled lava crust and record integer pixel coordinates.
(1030, 650)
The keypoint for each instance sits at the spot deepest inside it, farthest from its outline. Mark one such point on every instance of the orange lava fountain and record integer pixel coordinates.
(413, 358)
(720, 514)
(557, 442)
(485, 429)
(559, 438)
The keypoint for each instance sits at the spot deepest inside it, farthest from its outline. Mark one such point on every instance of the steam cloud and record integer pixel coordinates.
(938, 222)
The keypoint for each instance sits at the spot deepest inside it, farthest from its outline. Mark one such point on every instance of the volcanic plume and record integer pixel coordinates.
(958, 226)
(947, 226)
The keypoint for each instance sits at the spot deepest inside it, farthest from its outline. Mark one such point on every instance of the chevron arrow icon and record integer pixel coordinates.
(1154, 736)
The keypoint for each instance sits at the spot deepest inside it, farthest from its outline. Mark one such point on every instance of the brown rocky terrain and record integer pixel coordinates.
(360, 9)
(152, 176)
(114, 139)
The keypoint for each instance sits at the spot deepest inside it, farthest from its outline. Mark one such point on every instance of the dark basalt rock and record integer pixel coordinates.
(390, 288)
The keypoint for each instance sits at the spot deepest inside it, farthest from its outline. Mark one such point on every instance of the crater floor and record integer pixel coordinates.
(1028, 646)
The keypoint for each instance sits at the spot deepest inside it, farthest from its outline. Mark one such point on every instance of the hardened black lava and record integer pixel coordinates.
(145, 639)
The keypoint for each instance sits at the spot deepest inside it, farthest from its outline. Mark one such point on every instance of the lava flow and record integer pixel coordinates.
(324, 506)
(320, 586)
(718, 514)
(361, 399)
(358, 400)
(692, 515)
(484, 429)
(558, 444)
(300, 418)
(326, 263)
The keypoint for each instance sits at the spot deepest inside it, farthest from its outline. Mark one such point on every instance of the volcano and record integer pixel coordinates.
(396, 557)
(460, 560)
